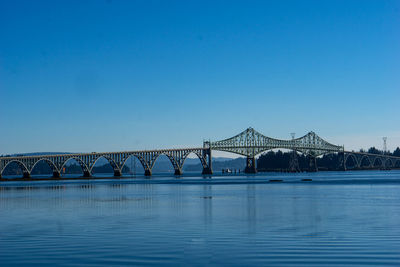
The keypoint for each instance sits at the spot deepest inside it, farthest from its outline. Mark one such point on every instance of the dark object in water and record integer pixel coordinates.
(306, 180)
(275, 180)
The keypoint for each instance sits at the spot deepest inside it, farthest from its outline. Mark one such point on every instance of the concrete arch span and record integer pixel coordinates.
(397, 163)
(376, 160)
(202, 160)
(116, 169)
(21, 165)
(56, 171)
(363, 159)
(354, 158)
(174, 162)
(85, 170)
(142, 161)
(389, 163)
(175, 157)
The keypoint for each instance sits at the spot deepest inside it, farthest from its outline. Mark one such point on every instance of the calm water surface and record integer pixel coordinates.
(350, 218)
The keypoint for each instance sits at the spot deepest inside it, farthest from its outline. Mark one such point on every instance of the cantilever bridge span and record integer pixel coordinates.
(248, 143)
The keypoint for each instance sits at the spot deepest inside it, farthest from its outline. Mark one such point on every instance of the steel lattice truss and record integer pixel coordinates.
(250, 143)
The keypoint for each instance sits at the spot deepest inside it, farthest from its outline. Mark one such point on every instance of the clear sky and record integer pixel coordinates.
(83, 76)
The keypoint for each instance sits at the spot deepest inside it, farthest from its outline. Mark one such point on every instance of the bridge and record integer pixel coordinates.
(248, 143)
(117, 160)
(371, 160)
(251, 143)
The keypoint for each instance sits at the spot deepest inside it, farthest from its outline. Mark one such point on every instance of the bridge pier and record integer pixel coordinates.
(250, 165)
(313, 164)
(27, 175)
(56, 174)
(117, 173)
(178, 171)
(87, 174)
(342, 161)
(147, 172)
(207, 171)
(207, 166)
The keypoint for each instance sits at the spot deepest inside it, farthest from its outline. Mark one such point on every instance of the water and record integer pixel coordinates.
(349, 218)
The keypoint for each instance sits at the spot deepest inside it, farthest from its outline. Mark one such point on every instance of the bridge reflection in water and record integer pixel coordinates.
(248, 143)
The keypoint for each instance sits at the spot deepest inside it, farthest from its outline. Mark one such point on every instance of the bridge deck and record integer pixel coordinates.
(102, 153)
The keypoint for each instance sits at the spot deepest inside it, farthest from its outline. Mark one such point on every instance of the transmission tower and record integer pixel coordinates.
(384, 145)
(293, 163)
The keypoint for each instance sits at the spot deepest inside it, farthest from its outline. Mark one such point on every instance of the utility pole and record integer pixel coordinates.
(384, 145)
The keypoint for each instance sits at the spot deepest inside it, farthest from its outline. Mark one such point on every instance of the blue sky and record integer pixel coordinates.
(125, 75)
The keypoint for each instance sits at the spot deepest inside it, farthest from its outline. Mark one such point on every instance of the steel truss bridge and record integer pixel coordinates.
(248, 143)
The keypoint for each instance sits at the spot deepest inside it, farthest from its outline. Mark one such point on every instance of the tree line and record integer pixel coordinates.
(280, 161)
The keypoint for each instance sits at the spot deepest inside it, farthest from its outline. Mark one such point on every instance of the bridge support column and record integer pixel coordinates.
(344, 162)
(117, 173)
(313, 164)
(250, 165)
(178, 171)
(27, 175)
(87, 174)
(56, 174)
(147, 172)
(207, 170)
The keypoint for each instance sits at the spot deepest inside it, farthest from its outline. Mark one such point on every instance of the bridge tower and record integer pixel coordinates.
(293, 163)
(250, 165)
(207, 156)
(313, 162)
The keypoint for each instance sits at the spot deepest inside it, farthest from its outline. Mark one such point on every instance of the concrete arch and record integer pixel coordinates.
(20, 164)
(172, 159)
(391, 163)
(354, 159)
(380, 160)
(84, 167)
(396, 163)
(49, 162)
(142, 161)
(110, 160)
(369, 161)
(202, 160)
